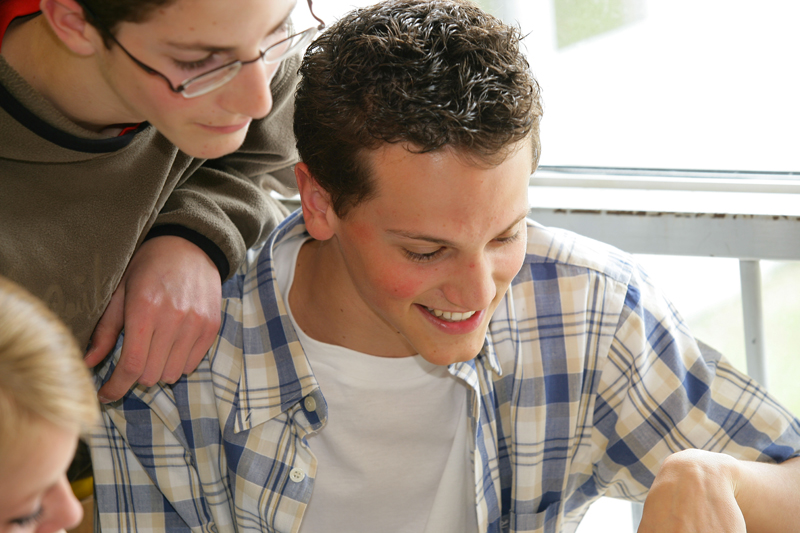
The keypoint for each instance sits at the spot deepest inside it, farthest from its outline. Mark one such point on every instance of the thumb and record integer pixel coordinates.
(107, 330)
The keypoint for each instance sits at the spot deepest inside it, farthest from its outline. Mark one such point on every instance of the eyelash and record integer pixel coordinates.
(192, 65)
(423, 258)
(28, 520)
(200, 63)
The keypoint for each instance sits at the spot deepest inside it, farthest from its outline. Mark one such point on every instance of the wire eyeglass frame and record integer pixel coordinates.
(216, 78)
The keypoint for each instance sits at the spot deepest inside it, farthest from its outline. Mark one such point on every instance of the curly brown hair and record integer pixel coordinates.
(430, 73)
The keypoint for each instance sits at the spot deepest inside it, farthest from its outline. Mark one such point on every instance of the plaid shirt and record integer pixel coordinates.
(587, 380)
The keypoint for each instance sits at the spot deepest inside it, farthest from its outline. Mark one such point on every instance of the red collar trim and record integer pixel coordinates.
(128, 129)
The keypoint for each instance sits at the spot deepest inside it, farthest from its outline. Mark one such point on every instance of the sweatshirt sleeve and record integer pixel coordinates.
(224, 206)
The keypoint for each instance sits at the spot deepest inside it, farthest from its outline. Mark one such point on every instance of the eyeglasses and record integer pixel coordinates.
(216, 78)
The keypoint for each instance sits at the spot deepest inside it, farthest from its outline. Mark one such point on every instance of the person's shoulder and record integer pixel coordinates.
(257, 268)
(556, 248)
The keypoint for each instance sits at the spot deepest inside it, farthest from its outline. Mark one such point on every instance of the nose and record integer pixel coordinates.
(61, 508)
(249, 92)
(471, 285)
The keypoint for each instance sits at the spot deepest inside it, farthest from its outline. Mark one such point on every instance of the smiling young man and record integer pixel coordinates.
(409, 353)
(139, 141)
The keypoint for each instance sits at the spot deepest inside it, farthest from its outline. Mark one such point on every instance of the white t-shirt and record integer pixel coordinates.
(394, 455)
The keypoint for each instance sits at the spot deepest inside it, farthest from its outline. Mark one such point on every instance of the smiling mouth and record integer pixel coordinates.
(450, 317)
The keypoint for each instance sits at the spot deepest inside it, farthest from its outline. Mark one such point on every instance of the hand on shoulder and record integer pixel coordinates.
(169, 302)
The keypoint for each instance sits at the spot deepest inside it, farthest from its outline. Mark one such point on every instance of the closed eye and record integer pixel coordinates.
(194, 65)
(430, 256)
(214, 60)
(27, 521)
(511, 238)
(422, 258)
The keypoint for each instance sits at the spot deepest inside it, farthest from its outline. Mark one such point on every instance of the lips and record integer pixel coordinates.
(457, 323)
(226, 129)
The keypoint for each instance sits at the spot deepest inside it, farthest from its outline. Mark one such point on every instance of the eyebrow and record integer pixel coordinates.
(445, 242)
(199, 46)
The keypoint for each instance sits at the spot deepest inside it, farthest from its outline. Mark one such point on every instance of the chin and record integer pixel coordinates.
(212, 147)
(451, 355)
(441, 349)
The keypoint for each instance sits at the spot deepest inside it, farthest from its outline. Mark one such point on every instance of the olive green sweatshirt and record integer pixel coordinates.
(75, 206)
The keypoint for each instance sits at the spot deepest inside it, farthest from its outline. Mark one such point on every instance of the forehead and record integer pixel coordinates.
(445, 186)
(400, 167)
(213, 21)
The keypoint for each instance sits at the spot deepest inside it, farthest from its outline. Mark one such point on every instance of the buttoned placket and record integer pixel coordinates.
(308, 416)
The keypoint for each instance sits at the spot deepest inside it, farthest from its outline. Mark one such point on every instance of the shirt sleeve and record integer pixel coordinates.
(225, 205)
(661, 392)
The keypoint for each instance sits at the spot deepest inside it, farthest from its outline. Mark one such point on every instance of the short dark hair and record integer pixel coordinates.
(430, 73)
(106, 15)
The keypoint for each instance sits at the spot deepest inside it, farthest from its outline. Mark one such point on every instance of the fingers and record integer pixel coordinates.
(201, 347)
(136, 355)
(165, 345)
(178, 355)
(190, 343)
(107, 330)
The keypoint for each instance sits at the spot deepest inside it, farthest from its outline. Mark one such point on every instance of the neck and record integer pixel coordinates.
(329, 309)
(72, 83)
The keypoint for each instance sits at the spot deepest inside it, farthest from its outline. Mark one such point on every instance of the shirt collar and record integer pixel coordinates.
(275, 372)
(488, 354)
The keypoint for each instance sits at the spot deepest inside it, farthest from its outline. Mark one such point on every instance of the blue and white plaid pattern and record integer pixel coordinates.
(588, 379)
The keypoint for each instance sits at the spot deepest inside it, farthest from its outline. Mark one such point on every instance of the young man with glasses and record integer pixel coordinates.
(139, 142)
(409, 353)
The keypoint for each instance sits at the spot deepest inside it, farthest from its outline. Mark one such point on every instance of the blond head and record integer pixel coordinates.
(42, 375)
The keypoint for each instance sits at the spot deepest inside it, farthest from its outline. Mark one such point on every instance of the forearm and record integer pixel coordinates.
(769, 495)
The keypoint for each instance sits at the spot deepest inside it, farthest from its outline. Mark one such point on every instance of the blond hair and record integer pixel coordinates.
(42, 375)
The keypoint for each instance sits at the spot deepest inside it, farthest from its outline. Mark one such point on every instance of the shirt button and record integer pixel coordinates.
(310, 403)
(297, 475)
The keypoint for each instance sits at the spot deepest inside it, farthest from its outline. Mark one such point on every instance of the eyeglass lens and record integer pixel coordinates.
(208, 82)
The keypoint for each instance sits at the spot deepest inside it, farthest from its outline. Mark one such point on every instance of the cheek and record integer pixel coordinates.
(395, 281)
(168, 109)
(272, 69)
(390, 276)
(382, 271)
(509, 264)
(159, 104)
(401, 284)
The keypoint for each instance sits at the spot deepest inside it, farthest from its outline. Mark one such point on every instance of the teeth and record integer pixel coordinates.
(452, 317)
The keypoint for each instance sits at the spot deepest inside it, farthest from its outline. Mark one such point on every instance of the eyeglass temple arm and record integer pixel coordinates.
(311, 8)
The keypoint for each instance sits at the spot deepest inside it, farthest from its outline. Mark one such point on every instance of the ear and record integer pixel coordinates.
(316, 202)
(68, 22)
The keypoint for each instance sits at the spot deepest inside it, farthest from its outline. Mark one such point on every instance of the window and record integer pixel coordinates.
(666, 84)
